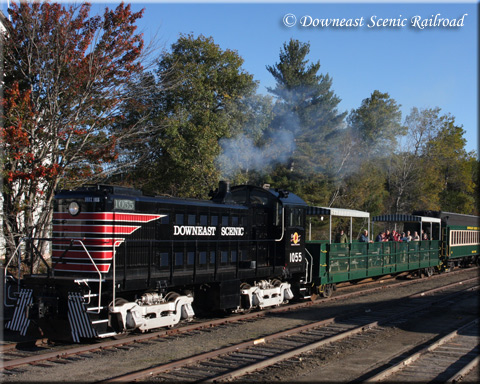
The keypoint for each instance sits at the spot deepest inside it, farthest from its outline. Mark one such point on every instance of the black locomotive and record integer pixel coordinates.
(123, 261)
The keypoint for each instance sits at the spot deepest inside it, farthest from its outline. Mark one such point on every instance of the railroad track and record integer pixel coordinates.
(67, 353)
(35, 351)
(240, 359)
(446, 360)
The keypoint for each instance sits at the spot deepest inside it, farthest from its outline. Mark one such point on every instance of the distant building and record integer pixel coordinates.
(3, 22)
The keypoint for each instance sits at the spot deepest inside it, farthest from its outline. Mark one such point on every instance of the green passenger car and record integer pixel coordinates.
(460, 238)
(336, 263)
(450, 239)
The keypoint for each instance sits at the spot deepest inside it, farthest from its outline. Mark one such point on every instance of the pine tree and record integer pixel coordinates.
(306, 106)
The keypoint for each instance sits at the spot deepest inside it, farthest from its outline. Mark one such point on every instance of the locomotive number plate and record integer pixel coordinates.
(128, 205)
(296, 257)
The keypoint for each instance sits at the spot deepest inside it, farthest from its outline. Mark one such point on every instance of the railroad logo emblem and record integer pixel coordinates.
(295, 239)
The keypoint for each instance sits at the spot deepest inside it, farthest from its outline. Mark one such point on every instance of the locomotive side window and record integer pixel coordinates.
(234, 256)
(234, 221)
(258, 197)
(179, 219)
(212, 257)
(202, 257)
(224, 257)
(214, 220)
(165, 219)
(225, 221)
(240, 196)
(191, 219)
(164, 259)
(178, 259)
(204, 220)
(190, 258)
(295, 218)
(278, 215)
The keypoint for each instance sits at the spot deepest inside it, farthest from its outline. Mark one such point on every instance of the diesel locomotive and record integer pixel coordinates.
(123, 261)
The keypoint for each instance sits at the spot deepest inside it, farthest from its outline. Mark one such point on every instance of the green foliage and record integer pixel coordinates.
(453, 167)
(433, 171)
(64, 76)
(365, 190)
(307, 107)
(202, 100)
(376, 124)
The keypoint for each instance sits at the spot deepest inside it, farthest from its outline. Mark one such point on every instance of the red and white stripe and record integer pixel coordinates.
(99, 248)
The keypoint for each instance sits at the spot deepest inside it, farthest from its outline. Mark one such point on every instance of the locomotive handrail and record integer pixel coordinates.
(283, 225)
(5, 274)
(311, 268)
(99, 274)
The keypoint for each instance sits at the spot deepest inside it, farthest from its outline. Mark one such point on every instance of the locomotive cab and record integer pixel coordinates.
(278, 220)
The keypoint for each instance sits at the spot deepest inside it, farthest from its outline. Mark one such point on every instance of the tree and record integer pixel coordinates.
(307, 107)
(405, 166)
(65, 76)
(365, 190)
(432, 170)
(207, 103)
(377, 125)
(452, 167)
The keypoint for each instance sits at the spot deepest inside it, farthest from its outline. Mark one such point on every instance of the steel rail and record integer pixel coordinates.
(414, 357)
(185, 329)
(153, 371)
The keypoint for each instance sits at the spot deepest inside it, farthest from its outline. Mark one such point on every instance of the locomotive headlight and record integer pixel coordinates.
(74, 208)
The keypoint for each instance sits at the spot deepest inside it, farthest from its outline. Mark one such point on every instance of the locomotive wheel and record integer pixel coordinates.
(171, 296)
(429, 271)
(121, 335)
(120, 301)
(276, 282)
(327, 290)
(245, 286)
(450, 266)
(243, 299)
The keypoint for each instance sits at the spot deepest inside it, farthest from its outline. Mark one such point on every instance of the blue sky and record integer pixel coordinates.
(430, 67)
